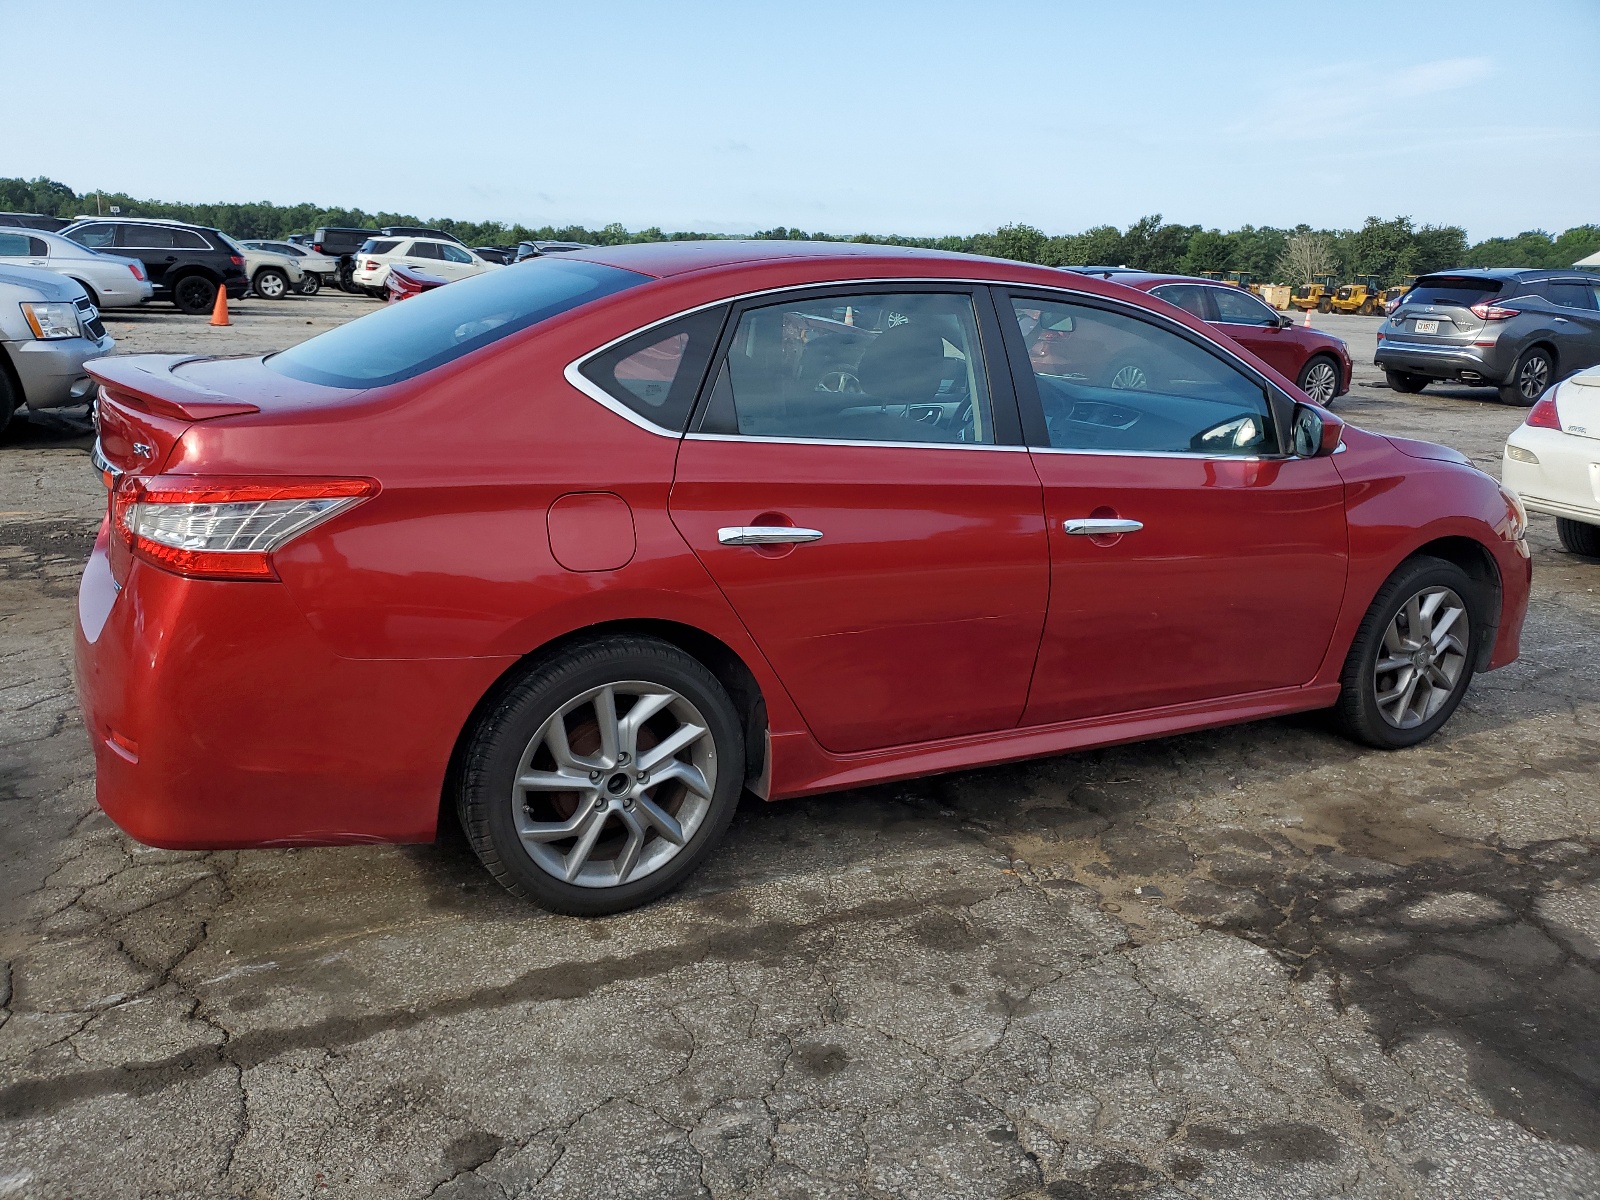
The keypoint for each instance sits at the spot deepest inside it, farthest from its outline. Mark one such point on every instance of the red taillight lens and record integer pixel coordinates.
(1492, 312)
(1543, 415)
(236, 260)
(217, 527)
(372, 266)
(138, 271)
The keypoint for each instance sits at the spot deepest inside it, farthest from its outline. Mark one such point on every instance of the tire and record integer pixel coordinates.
(1404, 381)
(194, 294)
(1320, 379)
(378, 293)
(517, 739)
(1366, 308)
(270, 283)
(94, 297)
(1388, 708)
(311, 284)
(10, 394)
(1535, 371)
(1579, 537)
(347, 282)
(1324, 305)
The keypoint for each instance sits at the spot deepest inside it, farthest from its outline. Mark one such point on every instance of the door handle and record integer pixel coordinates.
(766, 535)
(1100, 526)
(1562, 321)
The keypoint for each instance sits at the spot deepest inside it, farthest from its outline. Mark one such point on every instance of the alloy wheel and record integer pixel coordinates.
(1321, 382)
(1534, 376)
(1424, 655)
(1130, 376)
(270, 286)
(614, 784)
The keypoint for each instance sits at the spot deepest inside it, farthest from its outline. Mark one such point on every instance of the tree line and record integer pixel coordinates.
(1390, 249)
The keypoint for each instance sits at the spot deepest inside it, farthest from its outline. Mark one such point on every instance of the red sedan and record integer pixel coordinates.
(584, 548)
(1319, 363)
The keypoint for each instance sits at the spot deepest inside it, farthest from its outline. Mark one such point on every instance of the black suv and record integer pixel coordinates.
(32, 221)
(1507, 328)
(186, 263)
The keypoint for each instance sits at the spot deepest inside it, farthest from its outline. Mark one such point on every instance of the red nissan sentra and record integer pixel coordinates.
(584, 548)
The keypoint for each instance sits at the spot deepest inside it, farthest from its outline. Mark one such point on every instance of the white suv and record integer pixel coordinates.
(448, 260)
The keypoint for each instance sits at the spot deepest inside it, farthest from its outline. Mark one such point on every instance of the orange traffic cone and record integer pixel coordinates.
(219, 310)
(225, 314)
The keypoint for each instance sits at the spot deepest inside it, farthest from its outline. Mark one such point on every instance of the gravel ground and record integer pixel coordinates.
(1255, 962)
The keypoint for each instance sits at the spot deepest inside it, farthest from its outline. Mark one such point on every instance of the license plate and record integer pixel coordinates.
(1427, 327)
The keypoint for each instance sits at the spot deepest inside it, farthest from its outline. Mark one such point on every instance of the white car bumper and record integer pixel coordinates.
(370, 277)
(1564, 481)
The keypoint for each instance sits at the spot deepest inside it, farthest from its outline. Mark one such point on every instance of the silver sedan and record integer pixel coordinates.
(110, 280)
(48, 330)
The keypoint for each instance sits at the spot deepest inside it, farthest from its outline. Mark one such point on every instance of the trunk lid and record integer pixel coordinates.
(146, 403)
(1578, 404)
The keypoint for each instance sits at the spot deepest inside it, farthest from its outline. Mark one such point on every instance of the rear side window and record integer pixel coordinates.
(188, 239)
(1459, 291)
(424, 250)
(405, 340)
(145, 237)
(657, 373)
(1186, 296)
(15, 245)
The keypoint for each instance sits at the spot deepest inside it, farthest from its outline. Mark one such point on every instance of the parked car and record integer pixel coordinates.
(1552, 460)
(48, 329)
(33, 221)
(1107, 272)
(272, 276)
(1515, 330)
(499, 255)
(109, 280)
(186, 263)
(318, 269)
(404, 282)
(1318, 362)
(527, 250)
(583, 549)
(438, 235)
(341, 242)
(449, 260)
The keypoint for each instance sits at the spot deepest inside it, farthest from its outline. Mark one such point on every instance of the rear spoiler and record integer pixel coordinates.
(147, 381)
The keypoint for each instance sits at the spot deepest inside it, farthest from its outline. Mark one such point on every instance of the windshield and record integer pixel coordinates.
(1459, 291)
(408, 338)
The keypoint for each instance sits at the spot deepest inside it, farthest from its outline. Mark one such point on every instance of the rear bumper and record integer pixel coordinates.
(51, 372)
(1565, 482)
(1443, 362)
(219, 719)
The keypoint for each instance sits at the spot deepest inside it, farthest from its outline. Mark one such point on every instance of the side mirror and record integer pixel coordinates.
(1285, 321)
(1317, 432)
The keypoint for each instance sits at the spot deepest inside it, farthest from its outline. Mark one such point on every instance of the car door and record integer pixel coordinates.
(457, 263)
(1190, 559)
(425, 256)
(856, 486)
(1257, 328)
(1576, 322)
(152, 245)
(20, 250)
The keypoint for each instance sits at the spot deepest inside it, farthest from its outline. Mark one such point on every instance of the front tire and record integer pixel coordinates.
(194, 294)
(311, 284)
(270, 283)
(1579, 537)
(1534, 372)
(1413, 656)
(1324, 305)
(1319, 379)
(1404, 381)
(603, 777)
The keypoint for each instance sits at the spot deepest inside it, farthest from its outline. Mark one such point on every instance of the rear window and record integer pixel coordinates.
(377, 246)
(405, 340)
(1462, 291)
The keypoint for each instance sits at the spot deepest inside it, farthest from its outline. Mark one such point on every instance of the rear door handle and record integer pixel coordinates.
(766, 535)
(1093, 526)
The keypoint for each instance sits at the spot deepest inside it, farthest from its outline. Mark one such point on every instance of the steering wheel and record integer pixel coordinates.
(844, 383)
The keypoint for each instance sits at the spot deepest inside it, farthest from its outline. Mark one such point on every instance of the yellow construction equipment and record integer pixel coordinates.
(1244, 280)
(1398, 290)
(1364, 296)
(1315, 294)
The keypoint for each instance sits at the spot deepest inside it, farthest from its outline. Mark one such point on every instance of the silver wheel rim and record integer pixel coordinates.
(1534, 376)
(1131, 376)
(1320, 383)
(614, 784)
(270, 287)
(1424, 655)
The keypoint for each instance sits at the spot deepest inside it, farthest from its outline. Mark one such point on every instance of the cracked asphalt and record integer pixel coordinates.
(1253, 962)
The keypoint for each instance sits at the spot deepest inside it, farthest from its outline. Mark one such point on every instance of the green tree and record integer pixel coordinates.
(1209, 250)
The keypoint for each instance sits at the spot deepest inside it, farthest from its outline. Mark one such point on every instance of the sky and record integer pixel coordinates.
(883, 117)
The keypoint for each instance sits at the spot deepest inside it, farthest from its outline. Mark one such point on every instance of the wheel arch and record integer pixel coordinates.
(712, 652)
(188, 269)
(1543, 343)
(1478, 562)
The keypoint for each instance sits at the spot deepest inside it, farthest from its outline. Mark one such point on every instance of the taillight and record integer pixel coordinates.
(1543, 415)
(1493, 312)
(236, 260)
(371, 266)
(222, 527)
(138, 271)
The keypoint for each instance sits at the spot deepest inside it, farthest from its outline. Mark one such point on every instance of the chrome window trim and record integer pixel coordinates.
(1194, 454)
(792, 441)
(574, 375)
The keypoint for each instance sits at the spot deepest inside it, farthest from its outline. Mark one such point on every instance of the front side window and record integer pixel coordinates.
(145, 237)
(1112, 382)
(455, 254)
(1571, 294)
(1236, 306)
(400, 341)
(657, 373)
(96, 237)
(876, 367)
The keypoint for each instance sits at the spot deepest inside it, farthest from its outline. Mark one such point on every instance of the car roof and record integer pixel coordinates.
(1144, 280)
(665, 259)
(1487, 273)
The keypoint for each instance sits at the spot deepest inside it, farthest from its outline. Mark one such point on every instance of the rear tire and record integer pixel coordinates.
(270, 284)
(1535, 371)
(1324, 305)
(1409, 664)
(194, 294)
(94, 298)
(1404, 381)
(347, 281)
(650, 824)
(1320, 379)
(1579, 537)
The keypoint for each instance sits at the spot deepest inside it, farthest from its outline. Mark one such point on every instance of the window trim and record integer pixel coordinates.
(1279, 404)
(1219, 319)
